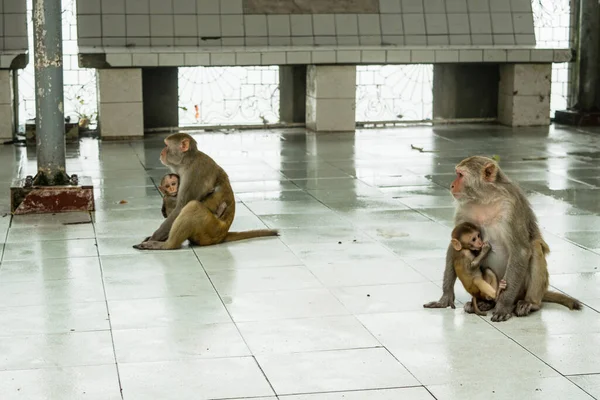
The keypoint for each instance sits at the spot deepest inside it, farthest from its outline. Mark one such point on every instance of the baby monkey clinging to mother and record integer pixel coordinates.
(469, 251)
(169, 187)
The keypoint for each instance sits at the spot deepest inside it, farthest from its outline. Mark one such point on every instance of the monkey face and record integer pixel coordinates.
(473, 240)
(169, 185)
(457, 186)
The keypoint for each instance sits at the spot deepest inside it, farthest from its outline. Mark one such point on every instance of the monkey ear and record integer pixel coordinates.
(456, 244)
(489, 172)
(184, 145)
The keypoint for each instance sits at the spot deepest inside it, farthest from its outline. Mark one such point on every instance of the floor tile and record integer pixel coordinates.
(532, 388)
(178, 343)
(65, 383)
(570, 354)
(589, 383)
(339, 370)
(40, 250)
(194, 379)
(51, 292)
(206, 308)
(264, 306)
(59, 318)
(415, 393)
(56, 350)
(53, 269)
(267, 252)
(236, 281)
(366, 273)
(306, 334)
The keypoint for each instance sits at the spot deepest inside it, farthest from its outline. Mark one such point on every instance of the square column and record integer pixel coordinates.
(292, 93)
(331, 98)
(524, 94)
(120, 105)
(6, 104)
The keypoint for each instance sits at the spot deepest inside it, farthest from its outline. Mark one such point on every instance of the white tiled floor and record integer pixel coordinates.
(331, 309)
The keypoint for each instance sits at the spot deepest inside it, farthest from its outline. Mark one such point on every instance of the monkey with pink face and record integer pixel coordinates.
(487, 198)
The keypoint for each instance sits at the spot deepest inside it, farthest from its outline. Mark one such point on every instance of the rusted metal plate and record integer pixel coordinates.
(311, 6)
(51, 199)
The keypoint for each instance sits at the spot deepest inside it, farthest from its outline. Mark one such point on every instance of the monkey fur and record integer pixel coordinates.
(486, 197)
(194, 216)
(469, 252)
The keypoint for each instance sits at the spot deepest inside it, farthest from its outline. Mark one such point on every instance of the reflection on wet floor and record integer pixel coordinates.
(332, 305)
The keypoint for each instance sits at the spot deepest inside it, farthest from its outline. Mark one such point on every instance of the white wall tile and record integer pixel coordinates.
(415, 40)
(397, 40)
(323, 57)
(438, 40)
(87, 7)
(248, 59)
(436, 24)
(422, 56)
(504, 39)
(493, 55)
(480, 40)
(480, 23)
(446, 56)
(398, 56)
(279, 25)
(194, 59)
(346, 24)
(369, 24)
(233, 41)
(224, 59)
(458, 24)
(184, 7)
(478, 6)
(460, 40)
(412, 6)
(119, 59)
(500, 6)
(518, 55)
(348, 41)
(301, 25)
(161, 25)
(112, 6)
(373, 56)
(520, 5)
(170, 59)
(414, 24)
(470, 55)
(145, 59)
(325, 40)
(391, 24)
(306, 40)
(502, 23)
(89, 26)
(456, 6)
(523, 23)
(209, 25)
(138, 25)
(232, 25)
(389, 6)
(185, 25)
(273, 58)
(348, 56)
(207, 6)
(161, 6)
(435, 6)
(280, 41)
(255, 25)
(114, 25)
(298, 57)
(231, 7)
(324, 25)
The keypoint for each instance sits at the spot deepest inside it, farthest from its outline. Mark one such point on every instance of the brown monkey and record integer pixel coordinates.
(192, 219)
(487, 198)
(169, 186)
(469, 252)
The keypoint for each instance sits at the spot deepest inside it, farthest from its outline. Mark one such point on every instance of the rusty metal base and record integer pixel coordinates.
(30, 199)
(577, 118)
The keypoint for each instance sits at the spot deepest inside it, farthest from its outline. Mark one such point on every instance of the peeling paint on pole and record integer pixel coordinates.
(50, 120)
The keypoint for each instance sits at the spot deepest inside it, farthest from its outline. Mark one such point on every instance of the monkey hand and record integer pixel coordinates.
(486, 246)
(444, 302)
(149, 245)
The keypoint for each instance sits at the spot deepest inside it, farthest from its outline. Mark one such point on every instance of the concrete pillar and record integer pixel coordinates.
(292, 93)
(589, 55)
(331, 97)
(6, 104)
(120, 104)
(524, 94)
(161, 97)
(465, 91)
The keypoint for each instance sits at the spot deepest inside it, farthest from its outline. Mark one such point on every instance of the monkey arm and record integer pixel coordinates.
(485, 287)
(516, 272)
(447, 299)
(482, 255)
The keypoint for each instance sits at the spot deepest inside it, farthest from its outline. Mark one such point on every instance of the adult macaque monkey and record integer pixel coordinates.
(192, 219)
(487, 198)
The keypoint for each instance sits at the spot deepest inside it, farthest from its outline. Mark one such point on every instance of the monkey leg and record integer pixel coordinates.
(482, 305)
(476, 308)
(221, 209)
(198, 224)
(537, 282)
(485, 288)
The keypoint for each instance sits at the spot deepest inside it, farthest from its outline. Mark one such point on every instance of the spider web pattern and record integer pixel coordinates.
(228, 95)
(394, 93)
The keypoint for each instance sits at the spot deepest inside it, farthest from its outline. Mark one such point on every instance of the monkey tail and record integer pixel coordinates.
(233, 236)
(560, 298)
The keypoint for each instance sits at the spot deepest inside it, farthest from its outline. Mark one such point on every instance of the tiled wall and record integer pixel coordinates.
(223, 23)
(13, 25)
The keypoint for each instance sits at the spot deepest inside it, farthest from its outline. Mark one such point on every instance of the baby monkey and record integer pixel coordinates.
(169, 186)
(469, 252)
